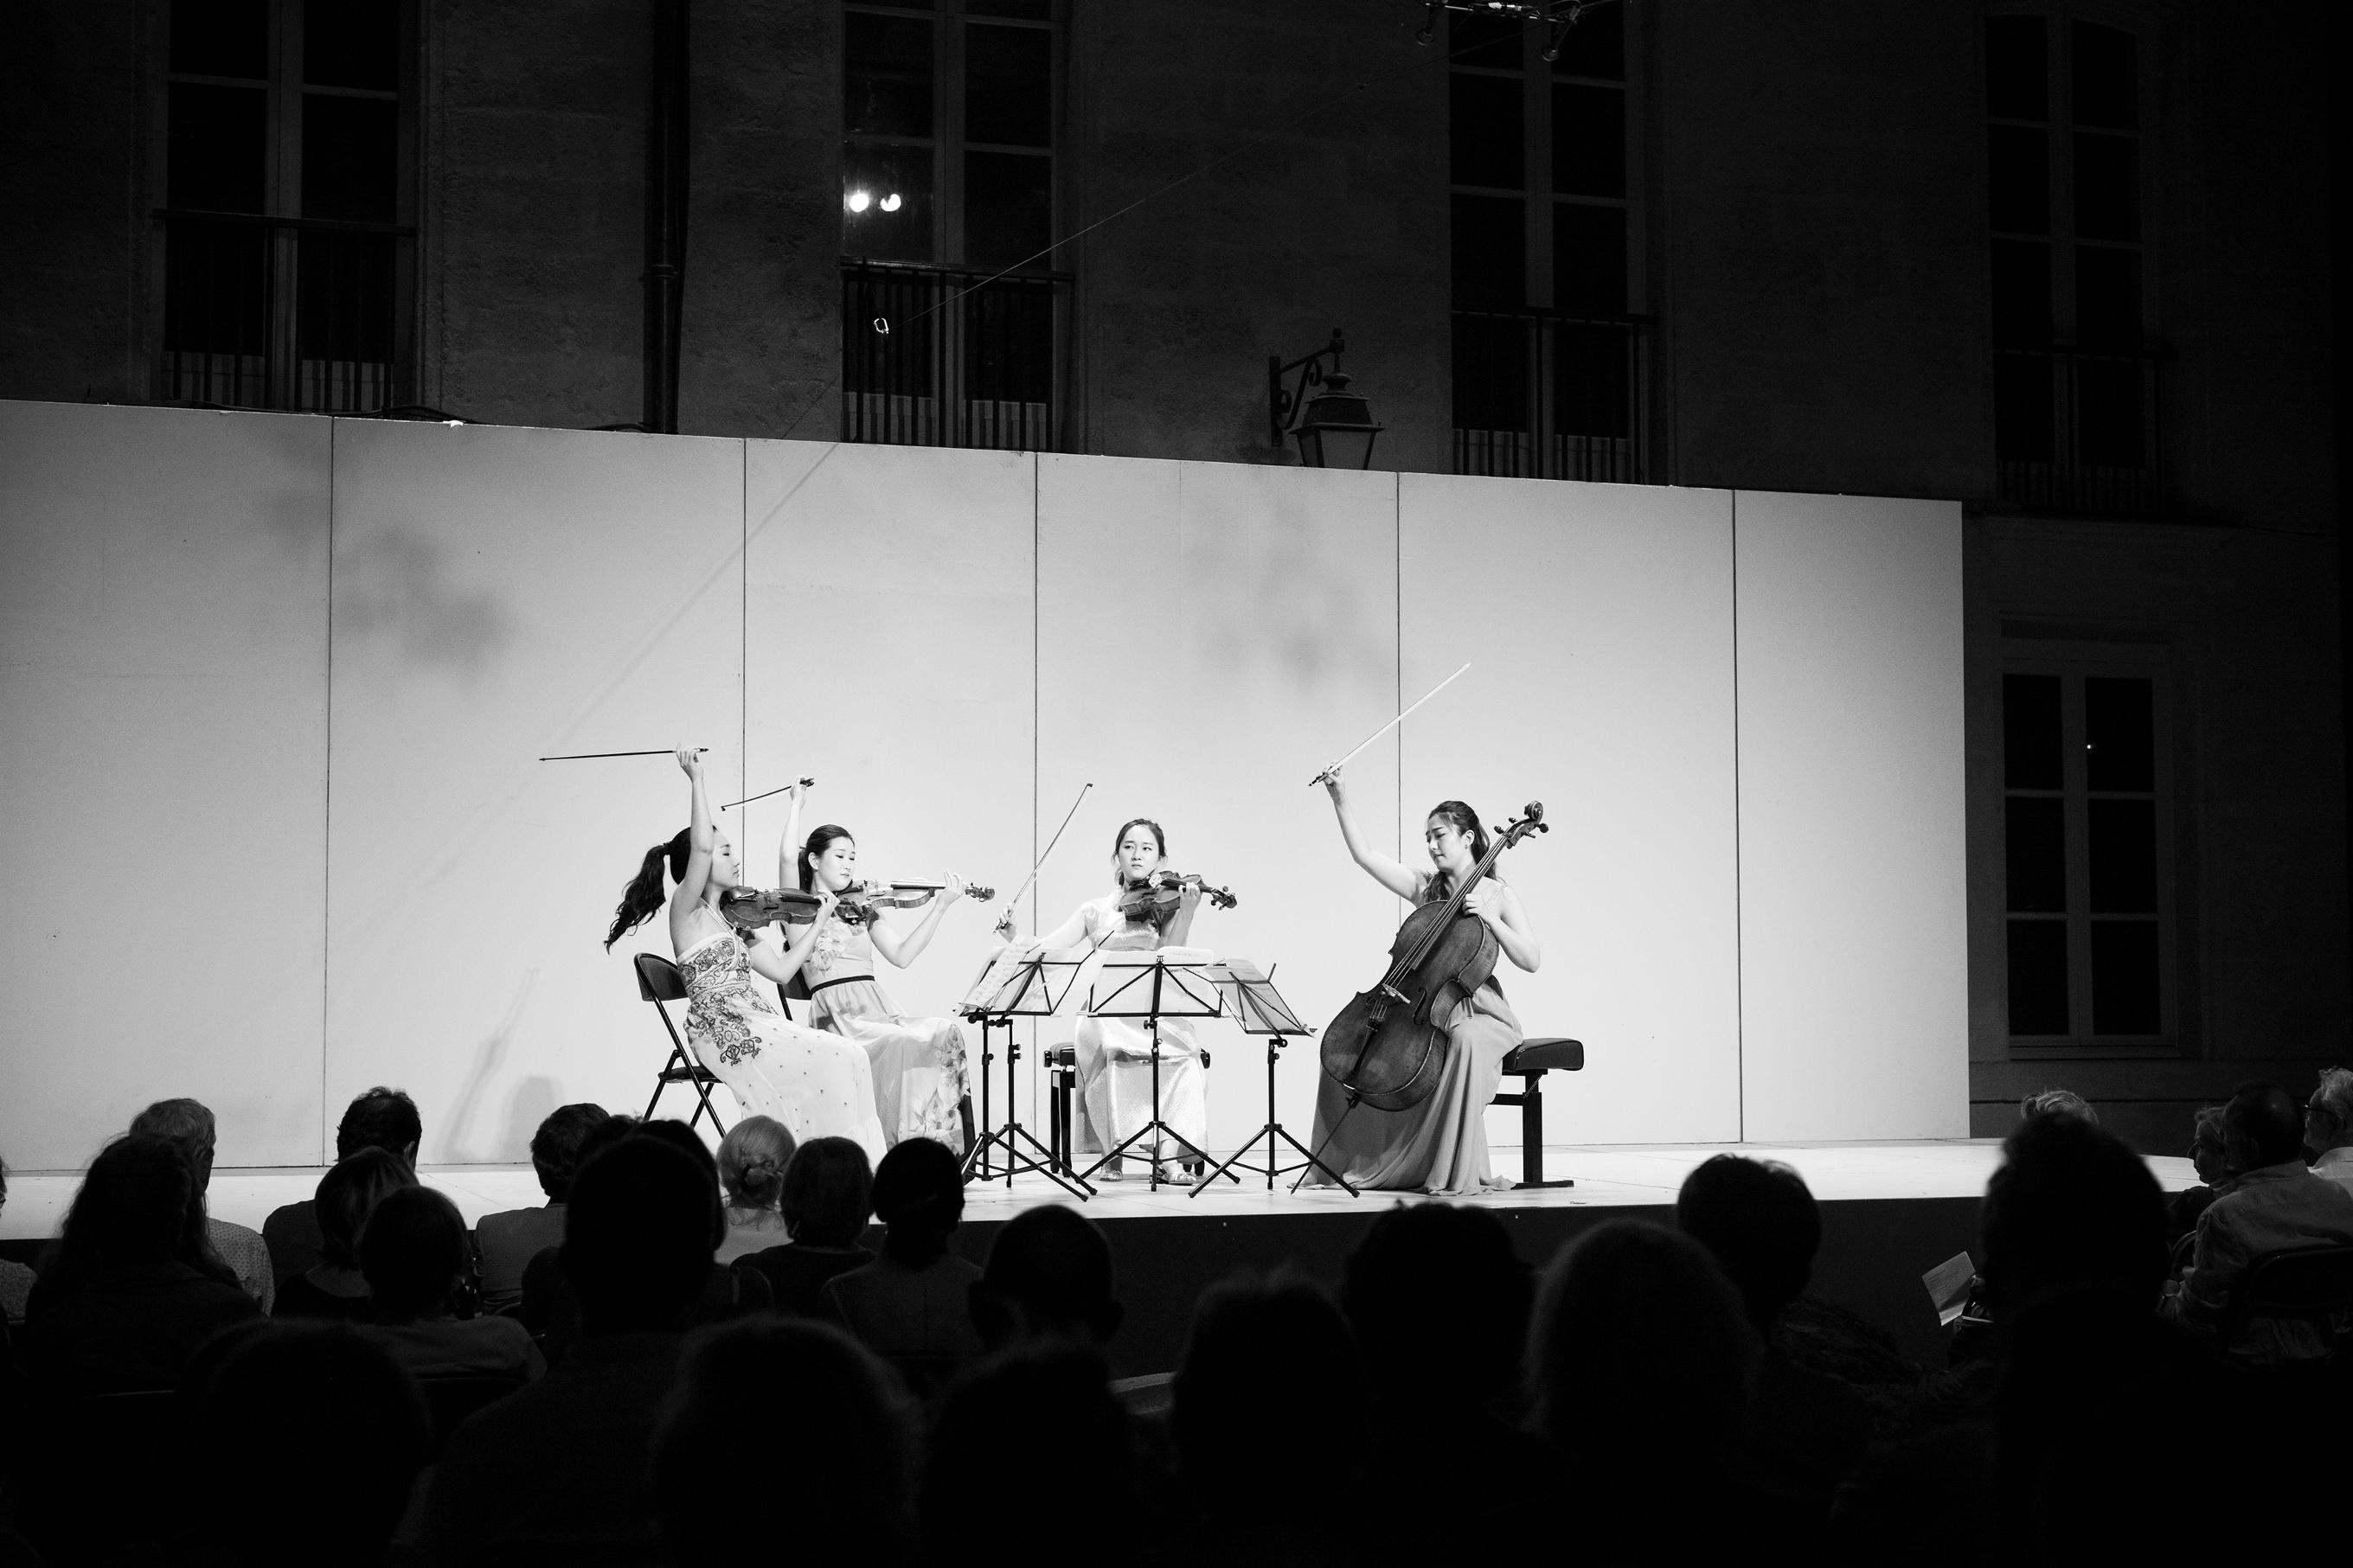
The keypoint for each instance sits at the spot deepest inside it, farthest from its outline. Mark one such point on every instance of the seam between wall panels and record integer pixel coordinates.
(1037, 732)
(1739, 885)
(1396, 661)
(327, 802)
(744, 621)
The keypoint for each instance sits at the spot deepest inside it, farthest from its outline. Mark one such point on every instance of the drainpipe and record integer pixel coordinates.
(666, 188)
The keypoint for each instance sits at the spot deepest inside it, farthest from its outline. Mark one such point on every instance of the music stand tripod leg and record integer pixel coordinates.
(1276, 1135)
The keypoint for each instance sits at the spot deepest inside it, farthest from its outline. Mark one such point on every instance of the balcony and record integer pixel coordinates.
(970, 358)
(1550, 395)
(2076, 432)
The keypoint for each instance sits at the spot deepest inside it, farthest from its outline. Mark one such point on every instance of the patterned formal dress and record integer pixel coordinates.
(920, 1076)
(817, 1084)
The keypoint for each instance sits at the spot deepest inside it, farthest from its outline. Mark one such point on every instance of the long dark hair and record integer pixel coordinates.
(139, 1203)
(1157, 919)
(819, 843)
(1466, 822)
(645, 895)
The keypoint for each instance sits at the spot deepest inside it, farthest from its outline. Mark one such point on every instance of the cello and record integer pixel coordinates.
(1388, 1047)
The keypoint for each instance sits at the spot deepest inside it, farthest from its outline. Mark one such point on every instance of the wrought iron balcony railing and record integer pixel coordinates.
(969, 359)
(1550, 395)
(2076, 431)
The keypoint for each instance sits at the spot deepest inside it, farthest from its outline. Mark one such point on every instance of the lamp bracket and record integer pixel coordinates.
(1283, 404)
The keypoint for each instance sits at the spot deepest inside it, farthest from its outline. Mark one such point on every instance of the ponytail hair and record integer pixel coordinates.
(819, 843)
(1466, 822)
(646, 892)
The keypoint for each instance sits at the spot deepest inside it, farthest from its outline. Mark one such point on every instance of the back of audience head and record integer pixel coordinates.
(2070, 1206)
(791, 1400)
(1049, 1277)
(349, 1193)
(188, 1122)
(344, 1430)
(412, 1250)
(979, 1476)
(2057, 1102)
(380, 1118)
(751, 1160)
(1761, 1224)
(827, 1192)
(2262, 1125)
(683, 1137)
(139, 1207)
(555, 1147)
(1438, 1300)
(1640, 1349)
(2328, 1114)
(2206, 1152)
(919, 1195)
(638, 1235)
(1262, 1344)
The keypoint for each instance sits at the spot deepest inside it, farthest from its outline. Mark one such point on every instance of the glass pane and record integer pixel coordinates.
(2030, 732)
(352, 43)
(2017, 73)
(215, 280)
(1027, 10)
(2123, 844)
(218, 151)
(2107, 187)
(351, 158)
(2034, 855)
(221, 38)
(343, 332)
(1490, 247)
(1591, 377)
(886, 202)
(1483, 132)
(886, 74)
(2022, 292)
(1492, 41)
(2125, 978)
(2119, 732)
(2018, 179)
(896, 364)
(1596, 47)
(1008, 86)
(2038, 977)
(2106, 77)
(2111, 413)
(1008, 209)
(1588, 259)
(2107, 297)
(1008, 330)
(2022, 405)
(1588, 140)
(1490, 375)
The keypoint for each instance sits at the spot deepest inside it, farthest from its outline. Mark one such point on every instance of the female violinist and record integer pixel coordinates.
(1114, 1055)
(1441, 1144)
(923, 1088)
(817, 1085)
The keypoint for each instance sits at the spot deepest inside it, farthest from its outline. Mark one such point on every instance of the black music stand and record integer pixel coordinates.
(1029, 986)
(1152, 990)
(1255, 1004)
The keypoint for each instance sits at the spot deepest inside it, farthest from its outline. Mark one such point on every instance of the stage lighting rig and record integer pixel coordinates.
(1556, 16)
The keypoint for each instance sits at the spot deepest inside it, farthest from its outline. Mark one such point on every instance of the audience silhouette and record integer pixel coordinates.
(334, 1287)
(379, 1118)
(911, 1306)
(826, 1198)
(508, 1241)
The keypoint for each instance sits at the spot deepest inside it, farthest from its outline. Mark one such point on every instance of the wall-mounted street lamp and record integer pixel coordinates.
(1336, 428)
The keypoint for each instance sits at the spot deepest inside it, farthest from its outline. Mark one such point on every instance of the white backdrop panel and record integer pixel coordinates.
(1854, 987)
(499, 594)
(1598, 622)
(888, 648)
(1208, 636)
(163, 694)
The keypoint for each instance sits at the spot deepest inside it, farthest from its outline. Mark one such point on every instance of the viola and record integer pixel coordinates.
(1389, 1046)
(1149, 896)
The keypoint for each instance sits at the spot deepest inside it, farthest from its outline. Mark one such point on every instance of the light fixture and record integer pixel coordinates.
(889, 204)
(1336, 428)
(857, 201)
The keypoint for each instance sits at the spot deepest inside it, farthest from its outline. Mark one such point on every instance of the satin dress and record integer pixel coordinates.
(921, 1073)
(817, 1084)
(1441, 1145)
(1114, 1059)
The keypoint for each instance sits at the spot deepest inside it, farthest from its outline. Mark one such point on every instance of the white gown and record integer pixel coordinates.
(817, 1084)
(1114, 1061)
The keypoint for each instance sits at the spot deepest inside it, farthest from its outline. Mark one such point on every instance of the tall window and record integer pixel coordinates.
(2088, 864)
(1547, 359)
(287, 255)
(948, 177)
(2074, 385)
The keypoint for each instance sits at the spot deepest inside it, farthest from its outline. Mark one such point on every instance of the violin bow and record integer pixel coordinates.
(1048, 850)
(1385, 728)
(591, 756)
(804, 784)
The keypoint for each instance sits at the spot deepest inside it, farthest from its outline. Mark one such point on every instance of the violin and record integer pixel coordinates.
(749, 908)
(1389, 1046)
(1147, 897)
(860, 901)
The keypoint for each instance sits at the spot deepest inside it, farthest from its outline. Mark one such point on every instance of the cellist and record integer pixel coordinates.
(1441, 1144)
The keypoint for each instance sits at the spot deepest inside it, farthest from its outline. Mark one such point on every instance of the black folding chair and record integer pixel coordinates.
(659, 981)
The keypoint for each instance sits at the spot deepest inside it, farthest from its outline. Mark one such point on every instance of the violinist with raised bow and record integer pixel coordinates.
(1441, 1144)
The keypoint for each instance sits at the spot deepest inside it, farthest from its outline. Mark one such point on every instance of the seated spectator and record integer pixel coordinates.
(15, 1278)
(2276, 1205)
(133, 1287)
(751, 1160)
(335, 1287)
(2182, 1208)
(189, 1123)
(380, 1119)
(2329, 1126)
(826, 1197)
(1806, 1431)
(2057, 1102)
(1267, 1416)
(912, 1306)
(1048, 1277)
(413, 1252)
(979, 1498)
(802, 1404)
(512, 1238)
(557, 1472)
